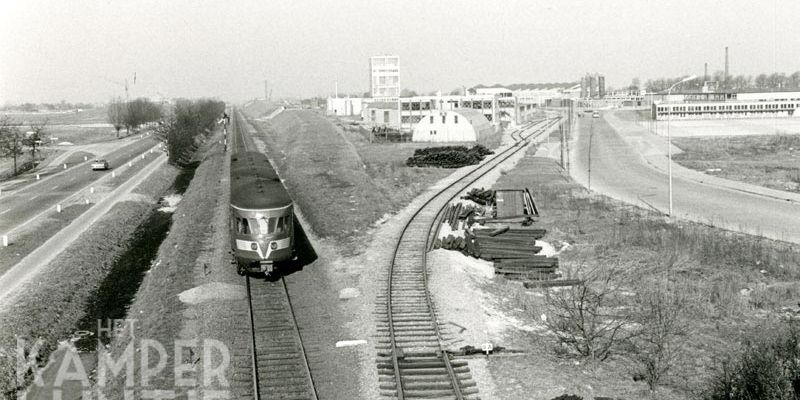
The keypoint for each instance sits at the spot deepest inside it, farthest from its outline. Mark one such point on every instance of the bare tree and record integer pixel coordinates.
(586, 317)
(10, 140)
(116, 114)
(35, 137)
(657, 347)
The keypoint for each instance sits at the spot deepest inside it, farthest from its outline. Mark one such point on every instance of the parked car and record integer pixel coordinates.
(595, 114)
(99, 165)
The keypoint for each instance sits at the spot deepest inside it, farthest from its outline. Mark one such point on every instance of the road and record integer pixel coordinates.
(626, 162)
(19, 206)
(35, 262)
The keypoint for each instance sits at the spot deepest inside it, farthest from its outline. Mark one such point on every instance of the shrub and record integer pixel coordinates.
(585, 317)
(767, 367)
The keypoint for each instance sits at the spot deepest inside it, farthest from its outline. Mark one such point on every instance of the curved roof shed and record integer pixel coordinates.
(458, 125)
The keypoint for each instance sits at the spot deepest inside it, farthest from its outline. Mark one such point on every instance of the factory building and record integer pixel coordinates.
(459, 125)
(726, 105)
(593, 86)
(344, 106)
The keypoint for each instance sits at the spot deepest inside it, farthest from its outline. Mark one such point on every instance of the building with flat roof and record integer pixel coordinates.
(726, 105)
(384, 82)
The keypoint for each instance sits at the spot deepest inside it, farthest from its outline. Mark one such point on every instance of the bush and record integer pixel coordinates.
(567, 397)
(183, 129)
(586, 317)
(767, 367)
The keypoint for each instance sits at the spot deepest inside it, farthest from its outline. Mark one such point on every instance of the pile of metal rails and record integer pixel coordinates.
(497, 226)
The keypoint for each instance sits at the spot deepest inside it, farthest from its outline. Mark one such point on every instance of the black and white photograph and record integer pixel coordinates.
(375, 199)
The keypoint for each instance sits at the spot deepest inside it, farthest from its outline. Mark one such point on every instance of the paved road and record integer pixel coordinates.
(18, 206)
(628, 163)
(35, 262)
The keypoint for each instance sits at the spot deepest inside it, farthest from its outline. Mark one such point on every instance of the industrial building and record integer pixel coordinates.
(593, 86)
(344, 106)
(459, 125)
(726, 105)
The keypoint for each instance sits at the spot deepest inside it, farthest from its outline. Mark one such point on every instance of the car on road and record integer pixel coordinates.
(99, 165)
(595, 114)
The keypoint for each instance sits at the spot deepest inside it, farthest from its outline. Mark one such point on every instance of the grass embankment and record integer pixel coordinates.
(771, 161)
(341, 182)
(37, 234)
(733, 284)
(51, 307)
(159, 312)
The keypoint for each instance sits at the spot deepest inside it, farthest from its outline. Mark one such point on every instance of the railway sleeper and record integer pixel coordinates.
(428, 394)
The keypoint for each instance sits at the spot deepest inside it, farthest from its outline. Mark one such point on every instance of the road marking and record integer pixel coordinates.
(55, 187)
(35, 196)
(1, 213)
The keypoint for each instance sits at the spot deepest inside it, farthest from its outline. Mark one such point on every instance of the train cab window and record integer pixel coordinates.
(242, 226)
(281, 226)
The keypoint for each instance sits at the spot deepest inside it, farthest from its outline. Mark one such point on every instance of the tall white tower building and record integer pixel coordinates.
(384, 77)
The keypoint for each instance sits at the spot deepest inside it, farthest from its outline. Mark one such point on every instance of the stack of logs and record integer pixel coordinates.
(514, 253)
(513, 250)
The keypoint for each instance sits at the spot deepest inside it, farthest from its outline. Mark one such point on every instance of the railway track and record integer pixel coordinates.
(280, 363)
(412, 359)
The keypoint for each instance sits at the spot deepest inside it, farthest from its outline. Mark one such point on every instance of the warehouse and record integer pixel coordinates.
(459, 125)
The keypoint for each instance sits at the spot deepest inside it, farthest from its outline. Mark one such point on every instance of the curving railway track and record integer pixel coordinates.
(280, 363)
(412, 359)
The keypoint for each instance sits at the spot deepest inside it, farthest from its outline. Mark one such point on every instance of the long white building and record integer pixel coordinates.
(727, 105)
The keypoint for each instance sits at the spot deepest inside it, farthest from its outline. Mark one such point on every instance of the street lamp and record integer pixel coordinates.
(669, 138)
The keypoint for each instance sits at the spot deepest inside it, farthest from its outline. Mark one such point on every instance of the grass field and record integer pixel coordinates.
(771, 161)
(89, 116)
(735, 284)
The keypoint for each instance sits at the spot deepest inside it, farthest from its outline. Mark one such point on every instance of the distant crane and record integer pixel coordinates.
(123, 84)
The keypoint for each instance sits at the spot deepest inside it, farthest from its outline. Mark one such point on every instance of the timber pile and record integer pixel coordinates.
(448, 156)
(484, 197)
(512, 247)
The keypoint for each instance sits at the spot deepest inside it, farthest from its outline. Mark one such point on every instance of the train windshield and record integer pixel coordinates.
(243, 226)
(273, 225)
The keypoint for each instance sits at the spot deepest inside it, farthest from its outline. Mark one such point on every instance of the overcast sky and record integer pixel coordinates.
(84, 50)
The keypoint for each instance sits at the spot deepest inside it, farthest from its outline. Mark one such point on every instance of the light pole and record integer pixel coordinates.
(669, 138)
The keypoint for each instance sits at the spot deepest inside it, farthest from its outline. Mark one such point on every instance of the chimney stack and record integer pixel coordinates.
(725, 78)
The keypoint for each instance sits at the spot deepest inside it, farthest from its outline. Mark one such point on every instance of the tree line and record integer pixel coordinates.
(34, 107)
(189, 122)
(777, 80)
(14, 142)
(132, 114)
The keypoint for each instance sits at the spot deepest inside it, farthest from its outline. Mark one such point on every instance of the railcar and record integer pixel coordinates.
(261, 218)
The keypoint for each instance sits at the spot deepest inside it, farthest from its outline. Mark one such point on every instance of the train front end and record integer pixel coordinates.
(261, 239)
(261, 217)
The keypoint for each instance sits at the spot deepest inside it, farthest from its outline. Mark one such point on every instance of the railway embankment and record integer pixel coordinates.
(358, 182)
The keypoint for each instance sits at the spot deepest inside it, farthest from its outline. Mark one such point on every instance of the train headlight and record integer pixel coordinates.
(273, 245)
(253, 246)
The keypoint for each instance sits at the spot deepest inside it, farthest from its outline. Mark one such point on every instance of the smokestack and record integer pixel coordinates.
(725, 78)
(705, 73)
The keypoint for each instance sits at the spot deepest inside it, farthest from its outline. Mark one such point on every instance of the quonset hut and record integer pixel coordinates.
(459, 125)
